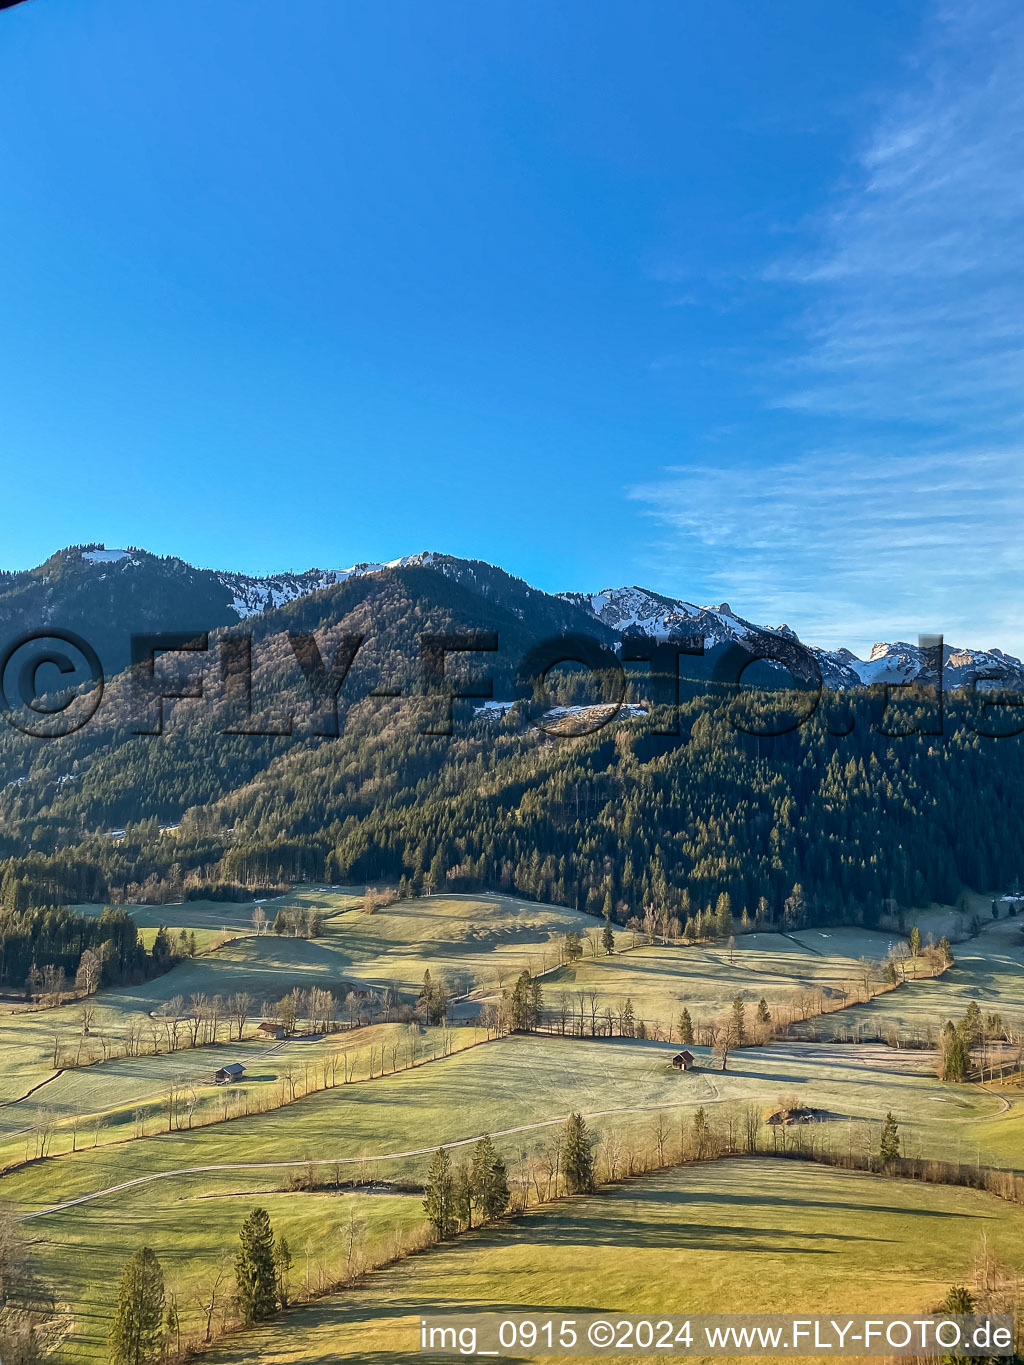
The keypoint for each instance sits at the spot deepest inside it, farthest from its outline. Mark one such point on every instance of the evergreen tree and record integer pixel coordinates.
(739, 1019)
(433, 999)
(959, 1302)
(439, 1200)
(627, 1020)
(536, 1004)
(607, 933)
(161, 951)
(723, 915)
(137, 1330)
(701, 1134)
(463, 1194)
(970, 1024)
(426, 991)
(915, 942)
(498, 1195)
(524, 1005)
(578, 1156)
(764, 1014)
(255, 1272)
(946, 950)
(489, 1180)
(794, 910)
(685, 1026)
(889, 1145)
(572, 947)
(956, 1056)
(282, 1265)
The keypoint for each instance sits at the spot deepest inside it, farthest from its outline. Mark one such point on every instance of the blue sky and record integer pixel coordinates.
(722, 299)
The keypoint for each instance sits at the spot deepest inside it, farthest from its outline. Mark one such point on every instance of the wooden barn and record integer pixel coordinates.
(234, 1071)
(271, 1030)
(684, 1061)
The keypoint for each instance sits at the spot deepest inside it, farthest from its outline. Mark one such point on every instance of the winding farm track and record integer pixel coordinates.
(364, 1158)
(1006, 1103)
(336, 1161)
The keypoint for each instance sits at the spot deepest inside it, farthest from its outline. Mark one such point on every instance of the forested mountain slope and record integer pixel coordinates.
(844, 806)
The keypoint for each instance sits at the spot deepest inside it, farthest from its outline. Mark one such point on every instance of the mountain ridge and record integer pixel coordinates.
(65, 591)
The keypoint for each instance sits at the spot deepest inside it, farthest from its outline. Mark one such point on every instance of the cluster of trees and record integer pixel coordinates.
(585, 1013)
(522, 1007)
(453, 1194)
(433, 999)
(975, 1042)
(480, 1185)
(907, 959)
(199, 1019)
(42, 948)
(147, 1322)
(298, 923)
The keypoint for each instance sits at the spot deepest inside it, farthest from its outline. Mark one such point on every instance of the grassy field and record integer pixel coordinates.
(474, 942)
(661, 980)
(471, 940)
(208, 1211)
(523, 1084)
(517, 1088)
(529, 1079)
(988, 969)
(737, 1236)
(231, 917)
(129, 1095)
(468, 939)
(781, 967)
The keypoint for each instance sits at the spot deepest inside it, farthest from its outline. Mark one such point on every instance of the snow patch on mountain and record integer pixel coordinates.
(105, 556)
(250, 595)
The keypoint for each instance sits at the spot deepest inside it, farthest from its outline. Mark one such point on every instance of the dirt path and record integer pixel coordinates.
(1007, 1105)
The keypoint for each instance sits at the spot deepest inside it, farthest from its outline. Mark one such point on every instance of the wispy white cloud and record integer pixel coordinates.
(852, 549)
(917, 286)
(912, 339)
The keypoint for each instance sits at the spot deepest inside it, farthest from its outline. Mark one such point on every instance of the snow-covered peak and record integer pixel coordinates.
(626, 610)
(900, 662)
(631, 609)
(421, 561)
(635, 609)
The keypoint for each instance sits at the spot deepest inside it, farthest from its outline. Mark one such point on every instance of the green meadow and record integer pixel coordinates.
(128, 1096)
(988, 968)
(467, 939)
(518, 1088)
(730, 1236)
(184, 1192)
(660, 980)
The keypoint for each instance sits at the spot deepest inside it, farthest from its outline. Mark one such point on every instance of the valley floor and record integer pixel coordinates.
(743, 1235)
